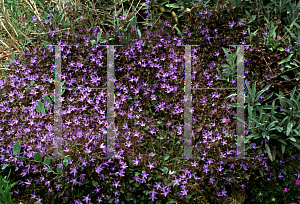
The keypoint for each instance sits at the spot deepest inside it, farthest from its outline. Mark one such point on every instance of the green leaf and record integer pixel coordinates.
(166, 158)
(95, 183)
(139, 32)
(269, 152)
(282, 148)
(260, 172)
(93, 42)
(289, 128)
(38, 109)
(47, 99)
(179, 32)
(37, 157)
(49, 170)
(285, 77)
(274, 155)
(40, 104)
(43, 110)
(267, 97)
(171, 200)
(47, 108)
(165, 170)
(65, 162)
(271, 125)
(286, 117)
(253, 17)
(286, 59)
(47, 160)
(59, 170)
(293, 139)
(4, 166)
(99, 36)
(175, 5)
(257, 95)
(16, 148)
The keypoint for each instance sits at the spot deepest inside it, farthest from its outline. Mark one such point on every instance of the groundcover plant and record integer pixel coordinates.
(149, 103)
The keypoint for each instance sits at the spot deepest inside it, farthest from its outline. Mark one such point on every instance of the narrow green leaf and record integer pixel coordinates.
(289, 128)
(49, 170)
(99, 36)
(286, 59)
(285, 77)
(269, 152)
(274, 155)
(179, 32)
(4, 166)
(175, 5)
(139, 32)
(293, 139)
(282, 148)
(53, 98)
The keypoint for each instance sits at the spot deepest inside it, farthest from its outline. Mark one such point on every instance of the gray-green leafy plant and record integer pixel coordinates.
(283, 126)
(232, 67)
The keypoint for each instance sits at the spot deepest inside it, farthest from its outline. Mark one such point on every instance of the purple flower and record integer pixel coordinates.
(86, 198)
(123, 17)
(33, 18)
(184, 192)
(176, 181)
(231, 24)
(150, 165)
(240, 22)
(152, 197)
(288, 49)
(211, 180)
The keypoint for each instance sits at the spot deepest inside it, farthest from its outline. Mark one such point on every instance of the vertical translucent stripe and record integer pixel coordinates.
(188, 105)
(111, 136)
(57, 105)
(240, 103)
